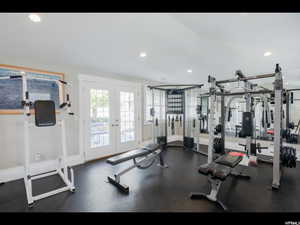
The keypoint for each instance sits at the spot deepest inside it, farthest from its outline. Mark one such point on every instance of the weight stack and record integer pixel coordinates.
(188, 142)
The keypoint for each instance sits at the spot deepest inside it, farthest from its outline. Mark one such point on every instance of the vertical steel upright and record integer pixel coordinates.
(26, 112)
(183, 110)
(153, 117)
(211, 117)
(223, 111)
(287, 110)
(278, 89)
(166, 116)
(248, 109)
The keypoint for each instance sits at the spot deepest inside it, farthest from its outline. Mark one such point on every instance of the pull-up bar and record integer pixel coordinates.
(245, 92)
(38, 78)
(293, 89)
(246, 78)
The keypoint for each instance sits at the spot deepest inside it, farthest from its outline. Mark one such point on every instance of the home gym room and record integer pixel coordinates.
(149, 112)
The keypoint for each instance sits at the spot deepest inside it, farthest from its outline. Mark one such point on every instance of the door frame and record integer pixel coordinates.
(99, 151)
(83, 80)
(128, 146)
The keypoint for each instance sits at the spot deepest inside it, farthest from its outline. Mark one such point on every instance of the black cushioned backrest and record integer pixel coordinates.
(247, 124)
(44, 113)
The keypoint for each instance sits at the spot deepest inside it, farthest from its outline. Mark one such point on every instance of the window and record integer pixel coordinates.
(148, 105)
(99, 118)
(159, 104)
(127, 116)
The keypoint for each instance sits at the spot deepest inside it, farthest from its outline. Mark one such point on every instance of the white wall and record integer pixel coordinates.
(46, 141)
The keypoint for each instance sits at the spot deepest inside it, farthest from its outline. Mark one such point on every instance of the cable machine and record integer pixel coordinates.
(172, 115)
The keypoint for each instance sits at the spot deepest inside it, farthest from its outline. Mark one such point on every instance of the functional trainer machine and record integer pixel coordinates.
(219, 169)
(45, 116)
(179, 113)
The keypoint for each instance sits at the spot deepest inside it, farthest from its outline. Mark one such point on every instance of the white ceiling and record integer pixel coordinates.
(209, 43)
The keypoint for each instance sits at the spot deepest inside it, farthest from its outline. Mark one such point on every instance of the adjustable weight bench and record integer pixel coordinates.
(142, 159)
(217, 172)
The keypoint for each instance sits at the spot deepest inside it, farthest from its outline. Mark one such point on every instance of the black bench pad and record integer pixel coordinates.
(229, 160)
(221, 167)
(151, 147)
(132, 154)
(217, 171)
(204, 169)
(221, 172)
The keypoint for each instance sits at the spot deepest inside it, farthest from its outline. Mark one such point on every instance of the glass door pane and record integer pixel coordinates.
(127, 115)
(99, 118)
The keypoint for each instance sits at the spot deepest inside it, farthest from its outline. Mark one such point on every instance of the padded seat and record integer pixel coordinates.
(151, 147)
(217, 171)
(204, 169)
(221, 167)
(133, 154)
(221, 172)
(229, 160)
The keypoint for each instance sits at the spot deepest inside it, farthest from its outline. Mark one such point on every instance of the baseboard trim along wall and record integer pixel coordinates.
(16, 173)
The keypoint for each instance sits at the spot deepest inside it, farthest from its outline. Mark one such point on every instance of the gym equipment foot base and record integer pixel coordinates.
(275, 187)
(240, 175)
(162, 166)
(202, 153)
(198, 196)
(122, 187)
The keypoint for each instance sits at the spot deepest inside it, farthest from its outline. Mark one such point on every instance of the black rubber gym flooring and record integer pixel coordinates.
(157, 189)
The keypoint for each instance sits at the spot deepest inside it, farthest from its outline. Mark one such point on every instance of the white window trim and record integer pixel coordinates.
(146, 122)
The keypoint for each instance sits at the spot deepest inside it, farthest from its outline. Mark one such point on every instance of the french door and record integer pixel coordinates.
(110, 119)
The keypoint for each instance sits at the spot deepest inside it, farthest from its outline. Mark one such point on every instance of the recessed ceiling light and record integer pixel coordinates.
(267, 53)
(34, 17)
(143, 54)
(189, 71)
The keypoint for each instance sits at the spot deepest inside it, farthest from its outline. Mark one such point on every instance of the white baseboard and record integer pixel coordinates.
(16, 173)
